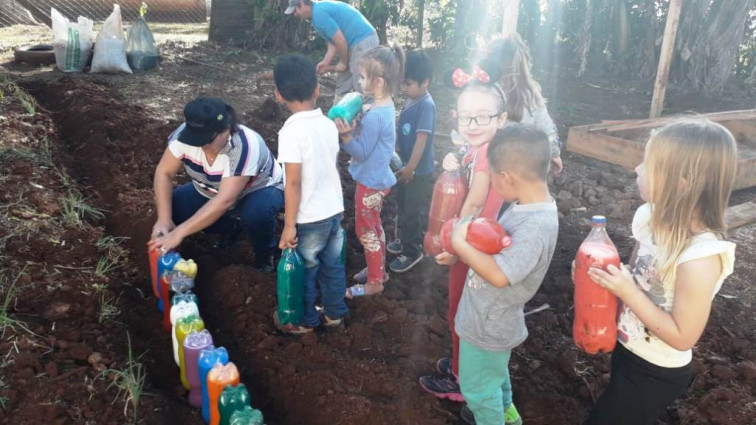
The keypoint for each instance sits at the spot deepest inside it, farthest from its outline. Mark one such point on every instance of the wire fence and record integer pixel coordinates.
(33, 12)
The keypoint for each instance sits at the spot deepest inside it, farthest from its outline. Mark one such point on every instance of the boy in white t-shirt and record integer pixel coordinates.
(308, 148)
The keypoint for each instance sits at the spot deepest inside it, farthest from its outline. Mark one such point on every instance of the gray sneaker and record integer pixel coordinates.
(394, 247)
(404, 263)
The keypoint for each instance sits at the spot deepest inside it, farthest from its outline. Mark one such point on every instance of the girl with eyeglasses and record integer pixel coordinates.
(480, 114)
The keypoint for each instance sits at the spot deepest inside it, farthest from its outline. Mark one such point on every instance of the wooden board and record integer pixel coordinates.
(623, 152)
(740, 215)
(603, 141)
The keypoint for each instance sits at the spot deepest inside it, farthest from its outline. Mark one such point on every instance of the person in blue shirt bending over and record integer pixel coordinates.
(348, 33)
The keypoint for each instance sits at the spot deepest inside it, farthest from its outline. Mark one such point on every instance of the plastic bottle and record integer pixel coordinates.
(154, 257)
(165, 263)
(208, 358)
(179, 311)
(218, 378)
(231, 400)
(247, 416)
(194, 343)
(594, 328)
(291, 277)
(187, 267)
(484, 234)
(187, 297)
(184, 327)
(449, 194)
(174, 281)
(347, 107)
(180, 282)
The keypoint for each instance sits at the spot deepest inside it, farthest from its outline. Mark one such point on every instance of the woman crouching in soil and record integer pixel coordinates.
(236, 182)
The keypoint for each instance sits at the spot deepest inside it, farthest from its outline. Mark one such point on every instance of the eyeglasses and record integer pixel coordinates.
(479, 120)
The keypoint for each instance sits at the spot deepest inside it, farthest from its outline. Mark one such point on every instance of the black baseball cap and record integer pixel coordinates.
(205, 118)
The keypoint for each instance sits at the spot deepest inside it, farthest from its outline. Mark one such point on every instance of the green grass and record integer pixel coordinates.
(130, 382)
(75, 210)
(6, 321)
(105, 266)
(108, 308)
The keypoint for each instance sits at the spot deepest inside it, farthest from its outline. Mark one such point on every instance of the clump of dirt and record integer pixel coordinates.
(368, 372)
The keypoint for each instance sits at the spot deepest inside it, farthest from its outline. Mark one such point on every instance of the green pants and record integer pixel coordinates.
(484, 381)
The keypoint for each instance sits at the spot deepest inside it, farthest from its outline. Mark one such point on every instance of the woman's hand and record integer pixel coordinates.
(166, 242)
(618, 281)
(288, 238)
(322, 67)
(446, 259)
(556, 165)
(451, 162)
(162, 228)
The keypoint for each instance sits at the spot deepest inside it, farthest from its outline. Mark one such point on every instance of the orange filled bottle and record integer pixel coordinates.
(217, 379)
(449, 194)
(484, 234)
(594, 328)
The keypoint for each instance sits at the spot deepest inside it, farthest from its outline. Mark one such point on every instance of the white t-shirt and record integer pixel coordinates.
(311, 139)
(631, 331)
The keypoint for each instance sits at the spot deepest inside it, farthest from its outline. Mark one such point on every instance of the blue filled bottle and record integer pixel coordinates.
(165, 264)
(207, 359)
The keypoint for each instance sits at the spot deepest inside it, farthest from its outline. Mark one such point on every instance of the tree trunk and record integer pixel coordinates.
(420, 23)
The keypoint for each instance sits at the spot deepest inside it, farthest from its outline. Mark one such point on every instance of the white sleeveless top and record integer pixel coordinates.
(631, 331)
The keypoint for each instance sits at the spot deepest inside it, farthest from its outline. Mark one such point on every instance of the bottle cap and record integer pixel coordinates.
(598, 219)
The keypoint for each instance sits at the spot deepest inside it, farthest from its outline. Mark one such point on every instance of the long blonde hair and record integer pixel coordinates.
(691, 166)
(522, 91)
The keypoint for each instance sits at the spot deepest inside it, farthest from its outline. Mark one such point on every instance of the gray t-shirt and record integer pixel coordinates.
(492, 318)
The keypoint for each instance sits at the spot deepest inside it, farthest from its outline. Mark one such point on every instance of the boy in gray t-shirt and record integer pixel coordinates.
(490, 320)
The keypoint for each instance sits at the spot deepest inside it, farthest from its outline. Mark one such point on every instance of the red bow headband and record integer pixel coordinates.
(460, 78)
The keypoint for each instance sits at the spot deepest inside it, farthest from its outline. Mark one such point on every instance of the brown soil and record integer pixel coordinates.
(109, 140)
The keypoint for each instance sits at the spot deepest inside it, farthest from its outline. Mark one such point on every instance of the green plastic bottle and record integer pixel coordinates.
(247, 416)
(231, 400)
(291, 278)
(347, 107)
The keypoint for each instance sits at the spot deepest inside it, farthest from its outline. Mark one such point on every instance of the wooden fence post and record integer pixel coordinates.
(665, 58)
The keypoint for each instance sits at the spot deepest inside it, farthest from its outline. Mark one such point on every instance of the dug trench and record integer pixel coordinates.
(367, 373)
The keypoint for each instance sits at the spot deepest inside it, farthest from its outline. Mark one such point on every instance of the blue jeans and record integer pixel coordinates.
(256, 211)
(319, 244)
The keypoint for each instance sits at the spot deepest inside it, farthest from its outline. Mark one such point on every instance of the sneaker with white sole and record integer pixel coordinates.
(394, 247)
(442, 386)
(511, 416)
(404, 263)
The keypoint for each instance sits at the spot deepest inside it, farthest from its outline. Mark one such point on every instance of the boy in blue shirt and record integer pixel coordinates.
(347, 32)
(417, 123)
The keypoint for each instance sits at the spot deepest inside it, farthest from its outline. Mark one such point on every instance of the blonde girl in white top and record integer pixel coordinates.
(679, 263)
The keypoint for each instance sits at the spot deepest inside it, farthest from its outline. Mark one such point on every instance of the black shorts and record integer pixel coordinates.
(638, 391)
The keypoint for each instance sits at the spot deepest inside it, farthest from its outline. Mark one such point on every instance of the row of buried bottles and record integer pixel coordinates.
(594, 326)
(205, 370)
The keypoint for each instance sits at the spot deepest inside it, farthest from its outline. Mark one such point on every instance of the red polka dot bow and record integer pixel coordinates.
(460, 78)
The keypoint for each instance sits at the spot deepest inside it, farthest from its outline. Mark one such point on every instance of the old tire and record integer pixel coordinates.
(41, 54)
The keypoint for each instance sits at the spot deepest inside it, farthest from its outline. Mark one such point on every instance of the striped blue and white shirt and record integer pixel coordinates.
(245, 155)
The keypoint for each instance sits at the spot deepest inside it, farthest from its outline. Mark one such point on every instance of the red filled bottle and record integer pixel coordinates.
(154, 256)
(484, 234)
(595, 325)
(449, 194)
